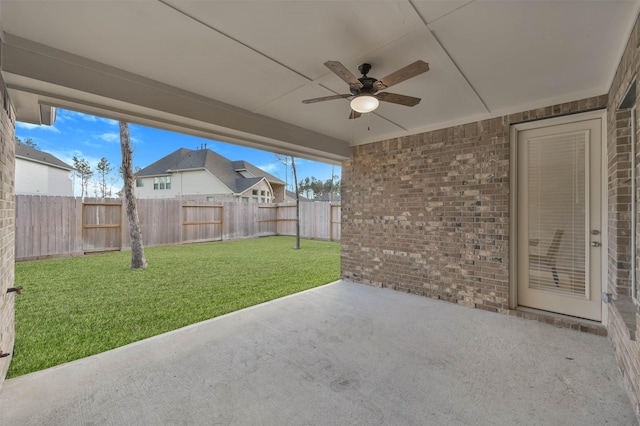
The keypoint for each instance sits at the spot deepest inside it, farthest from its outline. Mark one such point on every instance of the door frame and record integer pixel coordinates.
(514, 131)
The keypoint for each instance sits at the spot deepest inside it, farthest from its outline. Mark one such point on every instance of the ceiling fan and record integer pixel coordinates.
(365, 91)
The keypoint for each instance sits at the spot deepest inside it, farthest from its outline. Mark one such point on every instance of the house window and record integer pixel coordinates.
(162, 183)
(262, 193)
(245, 199)
(255, 199)
(139, 183)
(254, 192)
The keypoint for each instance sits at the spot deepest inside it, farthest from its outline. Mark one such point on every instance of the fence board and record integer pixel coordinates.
(101, 225)
(46, 227)
(67, 226)
(267, 220)
(202, 223)
(336, 228)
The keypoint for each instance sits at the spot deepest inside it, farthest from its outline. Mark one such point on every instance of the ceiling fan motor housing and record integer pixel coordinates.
(364, 69)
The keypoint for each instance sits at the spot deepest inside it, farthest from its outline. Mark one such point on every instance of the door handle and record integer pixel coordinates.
(595, 244)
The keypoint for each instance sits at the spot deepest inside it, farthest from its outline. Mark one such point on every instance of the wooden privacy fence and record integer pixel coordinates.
(67, 226)
(201, 223)
(101, 226)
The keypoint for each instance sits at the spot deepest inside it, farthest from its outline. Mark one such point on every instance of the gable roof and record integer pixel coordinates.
(29, 153)
(227, 171)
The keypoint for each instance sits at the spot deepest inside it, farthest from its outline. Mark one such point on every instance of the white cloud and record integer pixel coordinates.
(87, 117)
(63, 115)
(29, 126)
(109, 121)
(109, 137)
(91, 144)
(270, 168)
(66, 155)
(73, 115)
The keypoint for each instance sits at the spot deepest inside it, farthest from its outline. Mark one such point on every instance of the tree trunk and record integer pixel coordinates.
(295, 182)
(138, 260)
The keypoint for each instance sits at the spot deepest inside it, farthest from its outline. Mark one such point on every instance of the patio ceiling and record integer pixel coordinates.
(237, 71)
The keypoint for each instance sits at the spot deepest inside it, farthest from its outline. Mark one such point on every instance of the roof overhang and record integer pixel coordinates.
(39, 75)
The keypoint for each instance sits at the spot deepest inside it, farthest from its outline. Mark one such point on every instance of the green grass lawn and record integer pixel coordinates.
(73, 308)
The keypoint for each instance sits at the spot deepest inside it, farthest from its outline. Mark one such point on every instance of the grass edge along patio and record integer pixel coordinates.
(86, 305)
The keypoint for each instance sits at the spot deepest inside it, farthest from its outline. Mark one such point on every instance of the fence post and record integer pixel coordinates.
(222, 222)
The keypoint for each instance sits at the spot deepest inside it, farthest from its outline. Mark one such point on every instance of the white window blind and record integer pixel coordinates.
(557, 209)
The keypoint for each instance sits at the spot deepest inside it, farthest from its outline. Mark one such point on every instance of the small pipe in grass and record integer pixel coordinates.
(17, 289)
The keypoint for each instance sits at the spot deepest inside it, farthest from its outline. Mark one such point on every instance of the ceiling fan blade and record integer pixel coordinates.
(395, 98)
(412, 70)
(342, 72)
(354, 114)
(327, 98)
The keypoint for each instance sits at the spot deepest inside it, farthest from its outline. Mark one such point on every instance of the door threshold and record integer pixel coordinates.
(561, 320)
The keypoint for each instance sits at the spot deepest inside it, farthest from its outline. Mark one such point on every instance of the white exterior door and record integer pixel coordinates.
(559, 196)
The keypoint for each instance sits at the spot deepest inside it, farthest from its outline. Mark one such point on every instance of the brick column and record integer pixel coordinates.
(7, 225)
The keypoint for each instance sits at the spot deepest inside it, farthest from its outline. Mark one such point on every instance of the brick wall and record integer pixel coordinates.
(623, 319)
(7, 220)
(429, 213)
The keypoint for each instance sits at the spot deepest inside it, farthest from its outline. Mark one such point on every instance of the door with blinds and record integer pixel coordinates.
(559, 218)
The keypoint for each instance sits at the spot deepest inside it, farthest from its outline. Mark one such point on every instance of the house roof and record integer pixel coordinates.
(291, 194)
(31, 154)
(227, 171)
(486, 58)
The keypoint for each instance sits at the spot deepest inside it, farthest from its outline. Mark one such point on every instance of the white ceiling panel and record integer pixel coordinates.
(518, 51)
(316, 116)
(250, 63)
(151, 39)
(446, 95)
(303, 35)
(432, 10)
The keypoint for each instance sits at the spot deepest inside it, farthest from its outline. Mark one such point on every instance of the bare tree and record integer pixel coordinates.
(83, 170)
(28, 142)
(138, 260)
(285, 160)
(104, 168)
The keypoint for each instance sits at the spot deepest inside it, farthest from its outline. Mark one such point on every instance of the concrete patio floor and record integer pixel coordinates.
(341, 354)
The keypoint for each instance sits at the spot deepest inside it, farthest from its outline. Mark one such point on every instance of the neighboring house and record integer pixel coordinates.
(290, 197)
(40, 173)
(187, 172)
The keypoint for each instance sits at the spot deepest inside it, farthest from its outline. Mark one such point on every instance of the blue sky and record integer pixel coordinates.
(91, 137)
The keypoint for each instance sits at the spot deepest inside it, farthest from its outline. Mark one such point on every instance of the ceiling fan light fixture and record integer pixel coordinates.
(364, 103)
